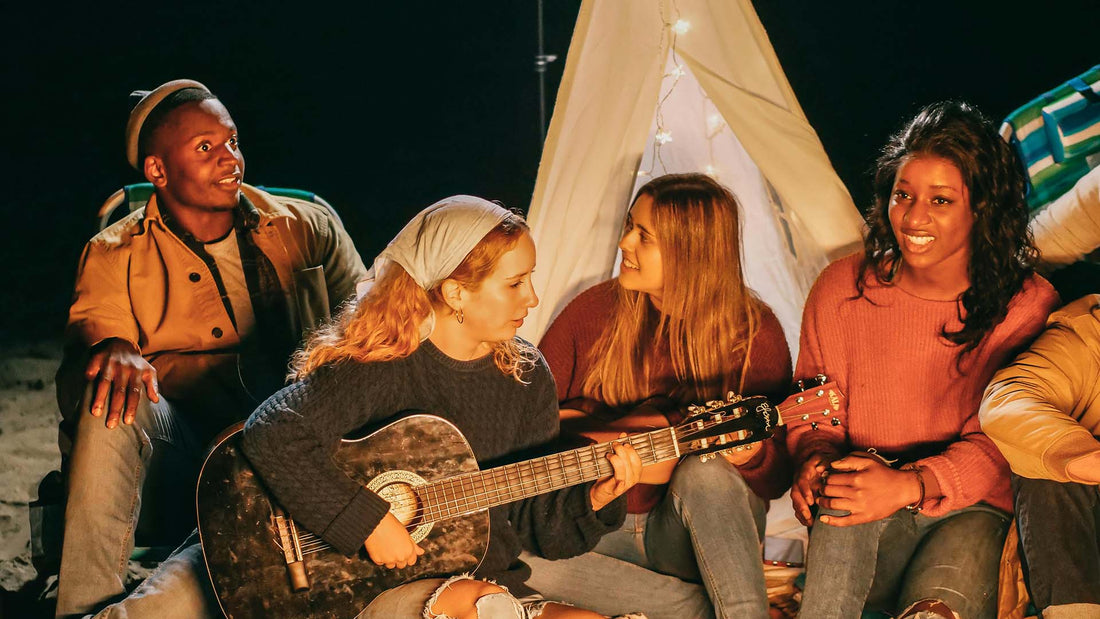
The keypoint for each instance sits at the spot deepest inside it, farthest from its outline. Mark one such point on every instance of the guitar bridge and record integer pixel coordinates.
(291, 546)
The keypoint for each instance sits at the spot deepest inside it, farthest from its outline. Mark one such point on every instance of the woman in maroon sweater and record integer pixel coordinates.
(911, 333)
(678, 323)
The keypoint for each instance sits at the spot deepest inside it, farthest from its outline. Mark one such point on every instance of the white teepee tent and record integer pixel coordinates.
(656, 86)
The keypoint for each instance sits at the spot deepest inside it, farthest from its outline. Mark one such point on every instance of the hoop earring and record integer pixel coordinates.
(459, 316)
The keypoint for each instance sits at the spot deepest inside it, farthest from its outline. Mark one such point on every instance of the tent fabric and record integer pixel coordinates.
(628, 65)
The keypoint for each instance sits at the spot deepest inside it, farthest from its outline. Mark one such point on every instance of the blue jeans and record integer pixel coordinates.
(178, 589)
(888, 564)
(1059, 526)
(107, 473)
(706, 531)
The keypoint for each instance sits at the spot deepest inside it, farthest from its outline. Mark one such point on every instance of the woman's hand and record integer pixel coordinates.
(870, 490)
(627, 468)
(807, 485)
(390, 545)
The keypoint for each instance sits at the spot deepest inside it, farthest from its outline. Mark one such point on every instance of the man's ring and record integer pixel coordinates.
(136, 389)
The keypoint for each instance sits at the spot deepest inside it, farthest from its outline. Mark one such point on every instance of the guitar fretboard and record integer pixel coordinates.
(473, 492)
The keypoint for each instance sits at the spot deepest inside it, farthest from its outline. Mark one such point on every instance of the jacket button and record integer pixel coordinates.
(216, 332)
(194, 277)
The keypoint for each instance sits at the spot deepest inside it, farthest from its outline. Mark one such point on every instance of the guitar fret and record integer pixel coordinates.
(498, 487)
(564, 471)
(548, 475)
(449, 502)
(510, 486)
(462, 502)
(484, 491)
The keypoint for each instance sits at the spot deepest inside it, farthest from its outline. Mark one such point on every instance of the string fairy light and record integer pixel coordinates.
(674, 27)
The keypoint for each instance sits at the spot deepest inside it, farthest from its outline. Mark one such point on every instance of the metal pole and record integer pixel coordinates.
(541, 60)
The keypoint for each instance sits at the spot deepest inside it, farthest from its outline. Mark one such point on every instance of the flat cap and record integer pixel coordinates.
(144, 107)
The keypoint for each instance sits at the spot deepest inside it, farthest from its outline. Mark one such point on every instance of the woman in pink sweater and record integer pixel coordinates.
(679, 324)
(913, 499)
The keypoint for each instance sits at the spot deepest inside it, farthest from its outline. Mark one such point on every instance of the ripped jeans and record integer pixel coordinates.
(891, 563)
(413, 601)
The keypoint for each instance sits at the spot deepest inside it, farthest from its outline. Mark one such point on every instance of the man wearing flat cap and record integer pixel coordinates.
(183, 319)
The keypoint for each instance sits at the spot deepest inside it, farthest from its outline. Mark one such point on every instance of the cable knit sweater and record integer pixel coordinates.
(574, 332)
(291, 437)
(905, 395)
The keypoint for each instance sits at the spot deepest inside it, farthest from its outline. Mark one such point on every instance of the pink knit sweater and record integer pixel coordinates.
(905, 396)
(574, 332)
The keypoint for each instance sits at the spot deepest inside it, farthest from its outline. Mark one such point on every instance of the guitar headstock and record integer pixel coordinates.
(816, 402)
(725, 426)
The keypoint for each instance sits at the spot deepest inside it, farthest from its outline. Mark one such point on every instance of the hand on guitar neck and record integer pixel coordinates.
(644, 418)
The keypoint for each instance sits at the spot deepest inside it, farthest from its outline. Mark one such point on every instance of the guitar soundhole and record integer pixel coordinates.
(399, 488)
(404, 504)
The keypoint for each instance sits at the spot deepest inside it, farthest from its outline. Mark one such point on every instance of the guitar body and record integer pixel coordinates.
(262, 565)
(236, 519)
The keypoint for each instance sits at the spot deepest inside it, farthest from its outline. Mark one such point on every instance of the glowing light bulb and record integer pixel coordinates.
(681, 26)
(678, 71)
(663, 137)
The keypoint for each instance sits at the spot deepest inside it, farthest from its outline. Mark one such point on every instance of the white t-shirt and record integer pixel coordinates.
(228, 257)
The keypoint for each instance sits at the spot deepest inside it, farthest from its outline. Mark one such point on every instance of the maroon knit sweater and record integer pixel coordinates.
(905, 395)
(574, 332)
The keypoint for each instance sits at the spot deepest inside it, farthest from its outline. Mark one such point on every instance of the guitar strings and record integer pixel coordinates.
(585, 462)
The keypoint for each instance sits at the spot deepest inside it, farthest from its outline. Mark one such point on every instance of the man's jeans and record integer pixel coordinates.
(1059, 526)
(107, 472)
(888, 564)
(708, 529)
(178, 589)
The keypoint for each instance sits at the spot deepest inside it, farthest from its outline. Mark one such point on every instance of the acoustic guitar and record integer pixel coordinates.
(263, 564)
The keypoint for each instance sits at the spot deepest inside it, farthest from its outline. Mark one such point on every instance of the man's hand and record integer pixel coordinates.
(807, 485)
(867, 488)
(626, 469)
(119, 371)
(390, 544)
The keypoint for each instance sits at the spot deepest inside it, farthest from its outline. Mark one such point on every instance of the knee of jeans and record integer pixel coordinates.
(1046, 492)
(464, 597)
(693, 476)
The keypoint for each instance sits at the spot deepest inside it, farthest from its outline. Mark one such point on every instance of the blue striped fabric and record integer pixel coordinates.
(1057, 136)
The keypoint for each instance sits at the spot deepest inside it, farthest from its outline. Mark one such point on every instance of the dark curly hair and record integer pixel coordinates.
(1002, 251)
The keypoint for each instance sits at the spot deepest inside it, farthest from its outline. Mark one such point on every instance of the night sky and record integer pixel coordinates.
(383, 109)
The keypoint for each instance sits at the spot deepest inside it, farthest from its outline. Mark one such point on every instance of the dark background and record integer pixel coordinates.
(384, 108)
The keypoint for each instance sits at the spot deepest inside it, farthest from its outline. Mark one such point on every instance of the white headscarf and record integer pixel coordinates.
(435, 242)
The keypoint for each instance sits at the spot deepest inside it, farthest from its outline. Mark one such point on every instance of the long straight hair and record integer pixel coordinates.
(385, 324)
(708, 317)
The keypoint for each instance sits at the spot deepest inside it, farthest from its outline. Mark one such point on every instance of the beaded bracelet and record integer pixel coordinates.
(916, 507)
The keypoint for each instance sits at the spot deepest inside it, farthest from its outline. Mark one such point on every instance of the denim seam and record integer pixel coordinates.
(704, 569)
(135, 497)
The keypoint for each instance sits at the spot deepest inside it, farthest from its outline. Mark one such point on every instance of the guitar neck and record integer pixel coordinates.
(473, 492)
